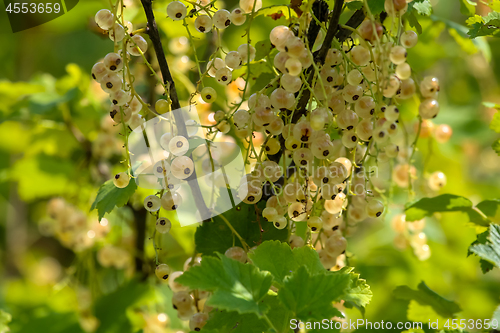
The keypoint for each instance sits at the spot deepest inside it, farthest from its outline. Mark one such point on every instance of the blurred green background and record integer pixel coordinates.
(55, 143)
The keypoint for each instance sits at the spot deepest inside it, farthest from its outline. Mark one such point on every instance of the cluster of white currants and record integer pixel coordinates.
(71, 226)
(207, 17)
(411, 233)
(113, 74)
(190, 304)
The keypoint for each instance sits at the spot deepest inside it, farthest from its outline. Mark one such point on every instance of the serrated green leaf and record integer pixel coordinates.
(413, 22)
(358, 293)
(376, 6)
(109, 196)
(489, 25)
(425, 296)
(354, 5)
(423, 313)
(489, 250)
(496, 146)
(495, 122)
(444, 203)
(423, 7)
(310, 296)
(467, 7)
(235, 286)
(215, 236)
(222, 321)
(280, 260)
(496, 314)
(263, 48)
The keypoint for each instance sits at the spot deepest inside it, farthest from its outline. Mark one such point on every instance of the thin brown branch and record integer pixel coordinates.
(169, 82)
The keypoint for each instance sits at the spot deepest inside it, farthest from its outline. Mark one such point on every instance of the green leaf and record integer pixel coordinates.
(489, 250)
(376, 6)
(109, 196)
(276, 9)
(194, 143)
(110, 309)
(280, 260)
(496, 314)
(359, 293)
(423, 7)
(215, 236)
(261, 81)
(413, 22)
(490, 27)
(222, 321)
(425, 296)
(467, 7)
(489, 208)
(263, 48)
(5, 319)
(496, 146)
(495, 122)
(235, 286)
(444, 203)
(354, 5)
(310, 296)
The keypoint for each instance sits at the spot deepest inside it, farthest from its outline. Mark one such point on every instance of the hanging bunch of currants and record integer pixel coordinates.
(327, 140)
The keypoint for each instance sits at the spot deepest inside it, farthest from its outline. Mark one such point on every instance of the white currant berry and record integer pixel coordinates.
(409, 39)
(236, 253)
(360, 55)
(291, 83)
(241, 118)
(391, 113)
(120, 114)
(335, 245)
(303, 131)
(162, 106)
(135, 105)
(171, 201)
(161, 169)
(347, 119)
(111, 82)
(333, 57)
(203, 23)
(208, 94)
(398, 55)
(269, 213)
(137, 45)
(222, 19)
(403, 71)
(233, 60)
(245, 50)
(178, 145)
(295, 241)
(162, 271)
(249, 194)
(354, 77)
(121, 180)
(237, 17)
(279, 61)
(224, 76)
(297, 211)
(250, 5)
(315, 223)
(374, 208)
(281, 99)
(391, 150)
(365, 107)
(293, 66)
(182, 167)
(429, 87)
(380, 135)
(429, 108)
(349, 139)
(163, 225)
(437, 181)
(279, 35)
(280, 223)
(113, 62)
(182, 301)
(152, 203)
(198, 321)
(364, 129)
(352, 93)
(294, 47)
(442, 133)
(120, 97)
(117, 33)
(176, 286)
(104, 19)
(99, 70)
(176, 10)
